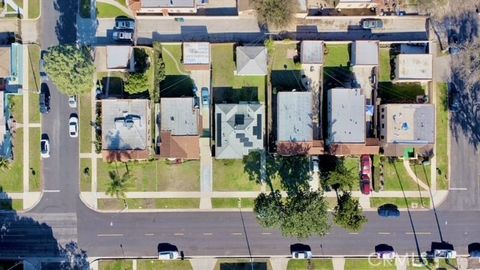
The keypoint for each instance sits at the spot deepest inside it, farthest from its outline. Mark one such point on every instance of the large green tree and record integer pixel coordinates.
(340, 179)
(136, 83)
(276, 13)
(70, 68)
(118, 184)
(269, 209)
(348, 213)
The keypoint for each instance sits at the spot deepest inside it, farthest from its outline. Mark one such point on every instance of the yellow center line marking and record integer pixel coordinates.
(207, 233)
(109, 234)
(149, 234)
(178, 234)
(383, 233)
(237, 233)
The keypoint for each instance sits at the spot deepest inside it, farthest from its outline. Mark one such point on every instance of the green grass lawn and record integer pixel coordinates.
(399, 92)
(352, 164)
(122, 2)
(113, 81)
(163, 265)
(34, 61)
(423, 172)
(400, 202)
(18, 3)
(85, 114)
(280, 59)
(154, 175)
(16, 105)
(395, 176)
(338, 55)
(85, 179)
(385, 69)
(34, 157)
(11, 180)
(232, 202)
(169, 203)
(115, 265)
(229, 175)
(336, 72)
(34, 110)
(242, 264)
(10, 204)
(441, 136)
(440, 265)
(85, 6)
(231, 88)
(170, 66)
(105, 10)
(315, 264)
(33, 9)
(365, 264)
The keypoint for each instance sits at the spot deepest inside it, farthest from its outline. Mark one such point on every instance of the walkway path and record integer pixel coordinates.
(206, 169)
(203, 263)
(406, 164)
(338, 263)
(279, 263)
(128, 11)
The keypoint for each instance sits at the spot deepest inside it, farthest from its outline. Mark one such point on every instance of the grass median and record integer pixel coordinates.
(163, 203)
(85, 175)
(115, 265)
(11, 179)
(366, 264)
(410, 202)
(35, 175)
(232, 202)
(441, 136)
(163, 265)
(85, 114)
(314, 264)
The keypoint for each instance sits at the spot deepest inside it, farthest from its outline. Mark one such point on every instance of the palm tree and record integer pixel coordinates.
(118, 185)
(4, 164)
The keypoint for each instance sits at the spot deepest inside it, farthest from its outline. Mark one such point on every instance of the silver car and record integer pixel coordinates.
(168, 255)
(44, 147)
(73, 126)
(125, 24)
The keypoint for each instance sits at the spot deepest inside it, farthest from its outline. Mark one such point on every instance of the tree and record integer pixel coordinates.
(118, 185)
(305, 215)
(269, 209)
(276, 13)
(136, 83)
(348, 213)
(70, 68)
(340, 178)
(4, 164)
(159, 66)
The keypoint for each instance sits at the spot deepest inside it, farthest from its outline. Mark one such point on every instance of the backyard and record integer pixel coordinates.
(35, 160)
(156, 175)
(229, 87)
(441, 136)
(177, 81)
(150, 203)
(85, 112)
(286, 70)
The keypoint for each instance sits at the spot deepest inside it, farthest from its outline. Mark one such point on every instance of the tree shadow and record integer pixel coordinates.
(286, 80)
(233, 95)
(177, 86)
(66, 26)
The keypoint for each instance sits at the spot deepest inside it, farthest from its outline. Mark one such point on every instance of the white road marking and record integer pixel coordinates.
(109, 234)
(236, 233)
(207, 233)
(149, 234)
(266, 233)
(419, 233)
(177, 234)
(386, 233)
(51, 190)
(458, 188)
(353, 233)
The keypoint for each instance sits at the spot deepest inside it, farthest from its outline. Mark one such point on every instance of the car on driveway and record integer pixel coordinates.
(73, 126)
(44, 146)
(72, 101)
(302, 254)
(365, 185)
(168, 255)
(205, 96)
(365, 174)
(372, 24)
(125, 24)
(123, 35)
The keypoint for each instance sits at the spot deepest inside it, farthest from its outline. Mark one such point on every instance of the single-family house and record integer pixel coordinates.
(125, 129)
(179, 128)
(239, 129)
(295, 134)
(365, 53)
(251, 61)
(347, 123)
(404, 127)
(413, 68)
(196, 55)
(120, 57)
(311, 52)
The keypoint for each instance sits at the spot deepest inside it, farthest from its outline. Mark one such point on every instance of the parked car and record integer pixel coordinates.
(44, 103)
(315, 165)
(168, 255)
(366, 165)
(196, 102)
(372, 24)
(123, 35)
(72, 101)
(179, 19)
(302, 254)
(125, 24)
(205, 96)
(388, 212)
(43, 74)
(474, 254)
(44, 147)
(73, 126)
(386, 254)
(365, 185)
(444, 253)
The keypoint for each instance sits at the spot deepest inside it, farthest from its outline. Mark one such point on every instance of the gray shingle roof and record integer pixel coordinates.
(312, 52)
(294, 116)
(238, 129)
(365, 52)
(346, 116)
(178, 116)
(251, 60)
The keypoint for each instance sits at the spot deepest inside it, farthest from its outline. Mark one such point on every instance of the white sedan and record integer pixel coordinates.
(302, 254)
(44, 148)
(72, 101)
(73, 126)
(168, 255)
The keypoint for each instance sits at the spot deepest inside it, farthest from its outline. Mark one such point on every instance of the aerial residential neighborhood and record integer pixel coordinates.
(239, 134)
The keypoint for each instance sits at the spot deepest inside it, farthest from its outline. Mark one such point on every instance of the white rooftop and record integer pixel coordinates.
(346, 116)
(179, 116)
(365, 52)
(196, 53)
(294, 117)
(118, 57)
(311, 52)
(414, 67)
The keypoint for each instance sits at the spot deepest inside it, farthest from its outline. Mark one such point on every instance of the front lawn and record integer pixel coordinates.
(33, 62)
(441, 136)
(16, 106)
(163, 203)
(401, 202)
(228, 87)
(35, 178)
(155, 175)
(33, 9)
(115, 265)
(163, 265)
(314, 264)
(11, 180)
(85, 174)
(423, 172)
(395, 175)
(105, 10)
(366, 264)
(85, 113)
(230, 175)
(232, 202)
